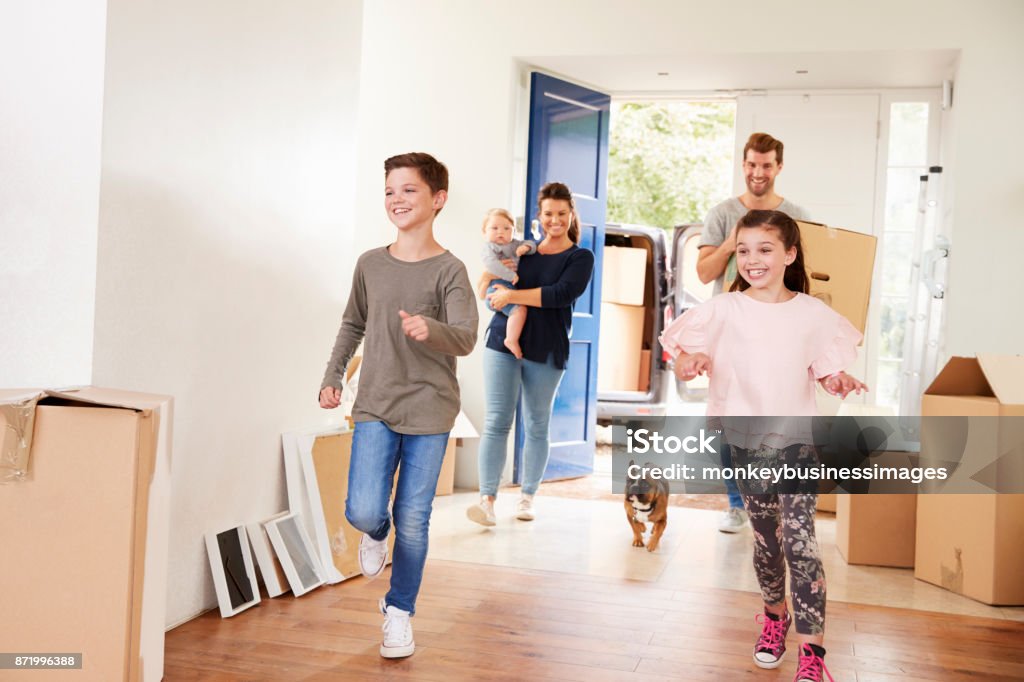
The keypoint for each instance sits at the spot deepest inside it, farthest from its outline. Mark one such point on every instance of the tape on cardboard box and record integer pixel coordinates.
(17, 419)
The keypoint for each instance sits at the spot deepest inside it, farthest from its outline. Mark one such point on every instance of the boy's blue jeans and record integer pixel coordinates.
(503, 377)
(731, 489)
(376, 453)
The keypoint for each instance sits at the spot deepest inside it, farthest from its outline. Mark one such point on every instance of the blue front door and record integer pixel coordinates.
(568, 143)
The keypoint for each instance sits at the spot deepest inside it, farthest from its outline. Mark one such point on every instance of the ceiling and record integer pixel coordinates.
(709, 72)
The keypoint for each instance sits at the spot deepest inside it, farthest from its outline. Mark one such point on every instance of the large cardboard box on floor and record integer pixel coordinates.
(83, 563)
(618, 355)
(876, 530)
(840, 264)
(624, 275)
(971, 543)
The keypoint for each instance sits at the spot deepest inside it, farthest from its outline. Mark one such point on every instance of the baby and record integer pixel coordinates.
(499, 228)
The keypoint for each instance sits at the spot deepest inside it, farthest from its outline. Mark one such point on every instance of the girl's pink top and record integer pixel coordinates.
(765, 357)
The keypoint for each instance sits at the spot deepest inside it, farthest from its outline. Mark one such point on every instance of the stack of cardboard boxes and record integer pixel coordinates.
(967, 543)
(621, 353)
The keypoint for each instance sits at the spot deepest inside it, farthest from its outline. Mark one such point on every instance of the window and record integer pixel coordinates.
(909, 151)
(669, 161)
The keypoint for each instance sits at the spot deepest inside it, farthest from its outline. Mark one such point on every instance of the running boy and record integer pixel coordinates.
(501, 245)
(413, 303)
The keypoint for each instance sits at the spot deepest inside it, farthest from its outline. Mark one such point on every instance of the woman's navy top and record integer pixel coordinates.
(562, 278)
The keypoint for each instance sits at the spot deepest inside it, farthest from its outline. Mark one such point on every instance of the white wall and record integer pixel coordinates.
(224, 240)
(51, 98)
(456, 102)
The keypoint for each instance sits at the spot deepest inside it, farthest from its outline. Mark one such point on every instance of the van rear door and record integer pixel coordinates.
(688, 291)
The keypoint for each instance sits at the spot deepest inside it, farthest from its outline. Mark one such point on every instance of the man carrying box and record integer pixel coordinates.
(762, 162)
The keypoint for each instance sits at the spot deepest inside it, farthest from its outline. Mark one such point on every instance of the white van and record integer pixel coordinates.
(671, 288)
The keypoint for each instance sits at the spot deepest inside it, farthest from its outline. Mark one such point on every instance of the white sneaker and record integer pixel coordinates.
(524, 510)
(733, 521)
(482, 513)
(398, 642)
(373, 555)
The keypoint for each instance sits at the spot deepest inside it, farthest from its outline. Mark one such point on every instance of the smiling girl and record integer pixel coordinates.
(764, 346)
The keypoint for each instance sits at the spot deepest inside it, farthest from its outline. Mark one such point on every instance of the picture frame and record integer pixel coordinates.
(304, 492)
(296, 553)
(274, 579)
(234, 574)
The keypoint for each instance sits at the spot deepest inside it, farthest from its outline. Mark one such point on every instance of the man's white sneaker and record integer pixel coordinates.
(524, 510)
(398, 641)
(482, 513)
(373, 555)
(733, 520)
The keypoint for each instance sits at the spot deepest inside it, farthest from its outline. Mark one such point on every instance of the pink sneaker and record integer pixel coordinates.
(811, 665)
(771, 645)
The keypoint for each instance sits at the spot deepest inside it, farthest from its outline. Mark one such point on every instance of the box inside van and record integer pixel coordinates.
(640, 292)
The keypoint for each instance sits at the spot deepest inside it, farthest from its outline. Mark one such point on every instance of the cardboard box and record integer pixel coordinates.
(446, 481)
(462, 429)
(840, 264)
(618, 356)
(84, 559)
(971, 543)
(827, 502)
(624, 275)
(876, 530)
(644, 380)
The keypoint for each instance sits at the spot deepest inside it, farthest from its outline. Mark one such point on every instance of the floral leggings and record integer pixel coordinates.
(782, 518)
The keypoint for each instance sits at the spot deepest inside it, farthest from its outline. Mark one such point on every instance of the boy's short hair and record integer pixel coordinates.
(433, 172)
(762, 143)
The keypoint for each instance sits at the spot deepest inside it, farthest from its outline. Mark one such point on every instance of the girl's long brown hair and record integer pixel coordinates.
(795, 277)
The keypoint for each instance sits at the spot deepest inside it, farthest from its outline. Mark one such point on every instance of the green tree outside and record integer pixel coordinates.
(669, 162)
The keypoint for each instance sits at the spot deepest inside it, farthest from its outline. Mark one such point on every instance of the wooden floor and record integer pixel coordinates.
(479, 622)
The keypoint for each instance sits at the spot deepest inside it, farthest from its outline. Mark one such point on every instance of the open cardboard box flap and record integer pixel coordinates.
(1005, 375)
(91, 395)
(987, 376)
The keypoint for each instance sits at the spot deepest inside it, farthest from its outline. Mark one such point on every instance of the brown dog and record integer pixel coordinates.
(646, 502)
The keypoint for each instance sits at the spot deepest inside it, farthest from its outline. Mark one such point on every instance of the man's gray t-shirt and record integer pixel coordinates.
(719, 223)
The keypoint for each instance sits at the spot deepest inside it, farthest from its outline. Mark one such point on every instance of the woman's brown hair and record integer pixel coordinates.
(561, 192)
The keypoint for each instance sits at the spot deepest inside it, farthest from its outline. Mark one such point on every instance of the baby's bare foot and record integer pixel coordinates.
(514, 347)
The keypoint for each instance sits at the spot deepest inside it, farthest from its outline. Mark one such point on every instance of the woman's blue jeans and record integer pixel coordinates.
(504, 375)
(376, 453)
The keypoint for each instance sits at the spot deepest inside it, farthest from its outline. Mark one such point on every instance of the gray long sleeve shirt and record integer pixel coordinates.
(493, 254)
(409, 385)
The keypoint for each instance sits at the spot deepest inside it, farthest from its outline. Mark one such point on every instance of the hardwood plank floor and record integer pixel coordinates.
(491, 623)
